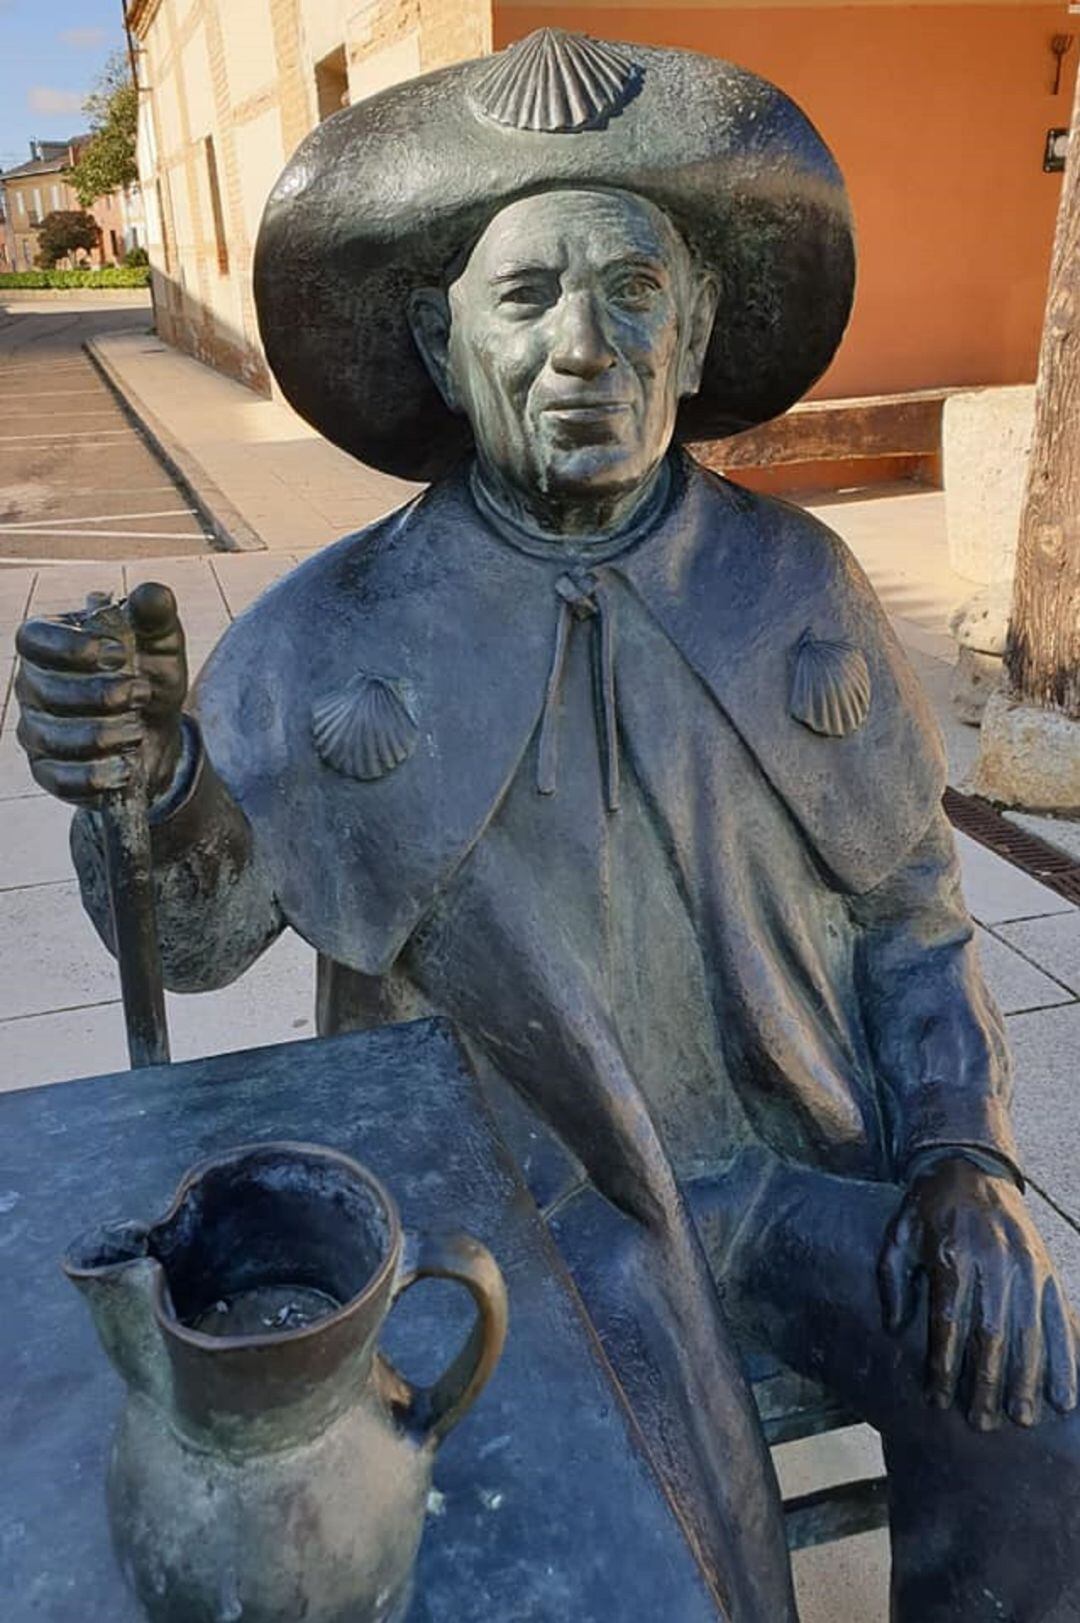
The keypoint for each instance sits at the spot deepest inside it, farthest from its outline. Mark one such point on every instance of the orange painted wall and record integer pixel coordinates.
(938, 117)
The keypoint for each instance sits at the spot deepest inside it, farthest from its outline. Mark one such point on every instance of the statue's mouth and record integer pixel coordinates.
(587, 408)
(584, 422)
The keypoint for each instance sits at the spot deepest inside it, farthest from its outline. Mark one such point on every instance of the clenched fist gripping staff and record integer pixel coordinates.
(106, 675)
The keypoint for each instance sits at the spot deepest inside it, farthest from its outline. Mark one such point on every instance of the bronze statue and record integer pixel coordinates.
(621, 767)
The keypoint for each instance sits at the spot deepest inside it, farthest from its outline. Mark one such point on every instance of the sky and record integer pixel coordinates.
(50, 53)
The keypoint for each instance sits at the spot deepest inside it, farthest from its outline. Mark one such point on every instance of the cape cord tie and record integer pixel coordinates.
(582, 599)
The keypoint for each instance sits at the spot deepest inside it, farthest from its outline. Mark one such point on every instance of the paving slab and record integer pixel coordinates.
(1046, 1107)
(935, 675)
(41, 1048)
(1016, 983)
(1052, 943)
(33, 841)
(66, 586)
(193, 581)
(16, 586)
(848, 1580)
(998, 893)
(1062, 1239)
(7, 678)
(273, 1003)
(50, 955)
(16, 782)
(244, 576)
(898, 535)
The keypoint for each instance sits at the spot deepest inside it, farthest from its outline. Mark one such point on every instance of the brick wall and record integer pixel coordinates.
(231, 91)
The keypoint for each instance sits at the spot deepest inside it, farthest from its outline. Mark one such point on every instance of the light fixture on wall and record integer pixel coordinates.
(1057, 147)
(1060, 45)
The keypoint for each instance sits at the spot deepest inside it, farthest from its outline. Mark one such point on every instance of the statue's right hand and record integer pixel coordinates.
(86, 707)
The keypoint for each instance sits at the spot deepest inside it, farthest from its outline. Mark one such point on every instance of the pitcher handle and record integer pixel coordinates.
(434, 1410)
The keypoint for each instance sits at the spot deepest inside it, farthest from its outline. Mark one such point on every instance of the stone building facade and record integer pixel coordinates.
(229, 88)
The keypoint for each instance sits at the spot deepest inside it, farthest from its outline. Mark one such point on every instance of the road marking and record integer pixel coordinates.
(105, 411)
(90, 434)
(109, 535)
(130, 490)
(34, 446)
(96, 518)
(39, 367)
(63, 394)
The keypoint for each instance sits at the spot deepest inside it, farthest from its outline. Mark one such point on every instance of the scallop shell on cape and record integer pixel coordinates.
(555, 83)
(830, 686)
(365, 729)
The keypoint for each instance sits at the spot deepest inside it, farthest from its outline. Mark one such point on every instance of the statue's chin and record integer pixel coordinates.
(597, 472)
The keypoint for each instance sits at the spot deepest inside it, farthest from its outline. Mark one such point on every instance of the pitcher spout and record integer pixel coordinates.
(122, 1283)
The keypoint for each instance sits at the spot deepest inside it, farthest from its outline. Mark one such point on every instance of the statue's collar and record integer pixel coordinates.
(668, 490)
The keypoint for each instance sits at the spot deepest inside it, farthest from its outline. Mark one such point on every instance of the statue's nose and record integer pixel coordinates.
(581, 347)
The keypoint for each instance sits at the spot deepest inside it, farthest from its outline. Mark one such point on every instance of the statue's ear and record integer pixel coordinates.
(429, 320)
(704, 300)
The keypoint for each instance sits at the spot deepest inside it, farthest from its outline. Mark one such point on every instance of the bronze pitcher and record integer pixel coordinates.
(270, 1463)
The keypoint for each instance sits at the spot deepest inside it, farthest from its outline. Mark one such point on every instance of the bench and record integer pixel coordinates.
(902, 432)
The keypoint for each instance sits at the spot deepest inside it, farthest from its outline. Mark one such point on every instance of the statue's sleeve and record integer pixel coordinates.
(938, 1040)
(215, 905)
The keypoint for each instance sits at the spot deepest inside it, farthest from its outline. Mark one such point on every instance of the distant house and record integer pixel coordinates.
(34, 189)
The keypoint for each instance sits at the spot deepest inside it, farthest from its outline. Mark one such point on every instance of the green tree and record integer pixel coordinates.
(107, 161)
(64, 232)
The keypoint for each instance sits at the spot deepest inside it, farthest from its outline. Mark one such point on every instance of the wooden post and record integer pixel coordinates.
(1042, 657)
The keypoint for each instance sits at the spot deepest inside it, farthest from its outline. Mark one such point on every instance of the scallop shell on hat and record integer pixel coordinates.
(365, 729)
(830, 686)
(555, 82)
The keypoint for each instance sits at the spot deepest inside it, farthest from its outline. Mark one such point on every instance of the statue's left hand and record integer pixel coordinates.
(995, 1303)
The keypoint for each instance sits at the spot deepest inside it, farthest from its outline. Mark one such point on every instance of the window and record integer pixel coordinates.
(37, 204)
(21, 200)
(332, 83)
(115, 244)
(56, 197)
(215, 205)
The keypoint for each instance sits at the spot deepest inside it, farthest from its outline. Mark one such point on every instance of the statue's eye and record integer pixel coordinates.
(637, 289)
(533, 294)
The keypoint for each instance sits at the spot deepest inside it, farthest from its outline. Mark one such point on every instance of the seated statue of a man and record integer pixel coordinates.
(620, 768)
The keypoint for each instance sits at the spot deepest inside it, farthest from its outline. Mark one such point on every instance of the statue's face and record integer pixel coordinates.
(575, 328)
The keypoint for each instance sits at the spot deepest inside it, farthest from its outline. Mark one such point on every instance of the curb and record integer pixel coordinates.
(228, 529)
(139, 297)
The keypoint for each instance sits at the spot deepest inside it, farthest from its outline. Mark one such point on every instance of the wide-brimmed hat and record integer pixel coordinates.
(385, 195)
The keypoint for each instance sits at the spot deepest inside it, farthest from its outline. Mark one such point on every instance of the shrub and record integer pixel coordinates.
(136, 256)
(64, 233)
(111, 276)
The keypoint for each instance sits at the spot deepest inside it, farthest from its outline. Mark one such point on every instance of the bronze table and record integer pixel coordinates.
(546, 1507)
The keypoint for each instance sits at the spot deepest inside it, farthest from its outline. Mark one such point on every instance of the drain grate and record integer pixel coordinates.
(1055, 869)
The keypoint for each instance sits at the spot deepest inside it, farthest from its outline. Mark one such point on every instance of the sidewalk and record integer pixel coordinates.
(266, 478)
(286, 493)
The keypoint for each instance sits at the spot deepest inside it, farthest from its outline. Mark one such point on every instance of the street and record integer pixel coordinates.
(76, 480)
